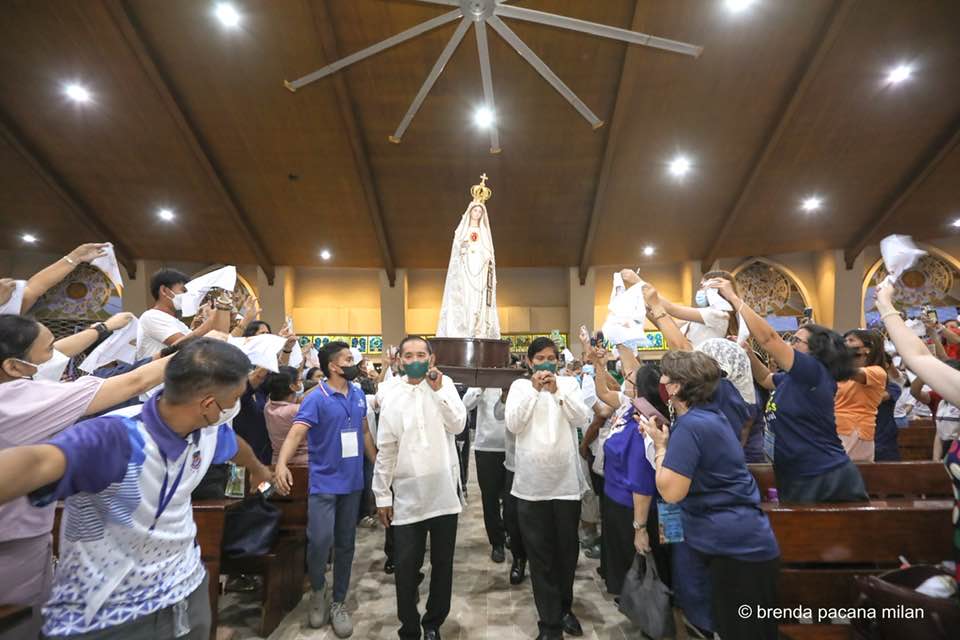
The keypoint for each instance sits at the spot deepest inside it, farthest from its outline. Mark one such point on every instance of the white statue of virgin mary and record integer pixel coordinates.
(469, 307)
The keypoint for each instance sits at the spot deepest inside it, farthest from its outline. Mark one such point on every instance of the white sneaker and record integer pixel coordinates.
(319, 608)
(342, 625)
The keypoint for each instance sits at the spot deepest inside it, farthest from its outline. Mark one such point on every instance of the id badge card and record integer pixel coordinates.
(671, 525)
(349, 445)
(769, 442)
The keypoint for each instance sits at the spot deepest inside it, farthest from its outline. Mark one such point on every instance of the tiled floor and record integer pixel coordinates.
(484, 603)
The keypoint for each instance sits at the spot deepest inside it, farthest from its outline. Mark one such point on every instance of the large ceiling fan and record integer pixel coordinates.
(481, 13)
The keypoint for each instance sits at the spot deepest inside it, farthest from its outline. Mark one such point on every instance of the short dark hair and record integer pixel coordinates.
(277, 385)
(541, 343)
(203, 364)
(252, 328)
(327, 352)
(827, 346)
(697, 374)
(312, 370)
(166, 278)
(414, 338)
(873, 341)
(17, 334)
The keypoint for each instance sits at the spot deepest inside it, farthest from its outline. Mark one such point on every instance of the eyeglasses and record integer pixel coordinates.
(794, 340)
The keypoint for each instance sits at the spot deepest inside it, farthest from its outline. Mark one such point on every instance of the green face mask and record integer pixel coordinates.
(546, 366)
(416, 370)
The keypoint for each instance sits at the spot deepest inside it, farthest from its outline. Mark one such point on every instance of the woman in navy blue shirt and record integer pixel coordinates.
(629, 509)
(700, 464)
(809, 461)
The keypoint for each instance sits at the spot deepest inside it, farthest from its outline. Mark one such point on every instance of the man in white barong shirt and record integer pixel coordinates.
(416, 483)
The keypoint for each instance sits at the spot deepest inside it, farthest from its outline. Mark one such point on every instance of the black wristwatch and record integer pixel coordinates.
(102, 330)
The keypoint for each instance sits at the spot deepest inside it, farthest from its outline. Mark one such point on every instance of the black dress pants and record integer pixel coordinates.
(549, 530)
(410, 542)
(511, 521)
(491, 475)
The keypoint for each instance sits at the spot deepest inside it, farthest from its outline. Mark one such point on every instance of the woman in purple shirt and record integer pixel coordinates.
(34, 406)
(629, 505)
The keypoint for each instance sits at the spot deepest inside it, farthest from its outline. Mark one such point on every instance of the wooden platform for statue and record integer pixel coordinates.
(476, 362)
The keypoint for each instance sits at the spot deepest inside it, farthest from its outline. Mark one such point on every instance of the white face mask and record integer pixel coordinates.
(227, 415)
(177, 300)
(53, 368)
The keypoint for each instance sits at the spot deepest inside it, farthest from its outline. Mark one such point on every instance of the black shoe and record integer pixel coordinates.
(431, 634)
(388, 567)
(518, 571)
(497, 555)
(549, 635)
(571, 626)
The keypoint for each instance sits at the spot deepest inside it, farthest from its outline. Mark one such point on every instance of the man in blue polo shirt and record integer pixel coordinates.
(129, 564)
(333, 417)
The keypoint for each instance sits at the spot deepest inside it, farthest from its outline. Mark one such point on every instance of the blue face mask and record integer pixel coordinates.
(588, 370)
(701, 298)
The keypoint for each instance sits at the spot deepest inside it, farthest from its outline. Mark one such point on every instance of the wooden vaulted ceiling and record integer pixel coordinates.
(787, 100)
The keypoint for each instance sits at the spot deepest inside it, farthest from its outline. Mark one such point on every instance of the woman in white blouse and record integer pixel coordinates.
(544, 412)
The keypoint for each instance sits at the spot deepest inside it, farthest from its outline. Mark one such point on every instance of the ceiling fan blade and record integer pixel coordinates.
(601, 30)
(403, 36)
(452, 3)
(525, 52)
(486, 76)
(431, 79)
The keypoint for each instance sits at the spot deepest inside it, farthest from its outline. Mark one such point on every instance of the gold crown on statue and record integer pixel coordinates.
(481, 192)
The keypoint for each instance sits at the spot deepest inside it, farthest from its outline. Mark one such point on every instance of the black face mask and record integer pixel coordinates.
(350, 373)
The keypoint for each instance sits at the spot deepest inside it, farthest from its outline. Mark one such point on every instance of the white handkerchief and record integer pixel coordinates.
(108, 264)
(624, 323)
(224, 278)
(357, 356)
(262, 350)
(121, 346)
(313, 359)
(743, 332)
(899, 254)
(568, 355)
(12, 306)
(717, 301)
(296, 356)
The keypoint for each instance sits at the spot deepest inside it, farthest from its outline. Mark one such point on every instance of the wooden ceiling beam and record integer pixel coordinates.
(603, 178)
(790, 106)
(941, 147)
(55, 182)
(358, 146)
(132, 33)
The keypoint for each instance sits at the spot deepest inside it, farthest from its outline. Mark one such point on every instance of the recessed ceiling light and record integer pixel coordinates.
(166, 215)
(483, 117)
(955, 223)
(899, 73)
(227, 14)
(77, 93)
(29, 238)
(679, 166)
(811, 203)
(649, 250)
(325, 255)
(736, 6)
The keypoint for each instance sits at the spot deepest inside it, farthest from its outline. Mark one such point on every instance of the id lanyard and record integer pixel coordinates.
(346, 409)
(166, 497)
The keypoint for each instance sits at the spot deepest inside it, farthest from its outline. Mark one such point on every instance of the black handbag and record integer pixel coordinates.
(213, 486)
(645, 600)
(251, 527)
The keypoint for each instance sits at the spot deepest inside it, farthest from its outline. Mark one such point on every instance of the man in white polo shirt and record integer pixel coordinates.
(129, 566)
(161, 326)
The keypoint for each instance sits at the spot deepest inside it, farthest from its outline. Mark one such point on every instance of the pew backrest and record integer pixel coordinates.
(883, 479)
